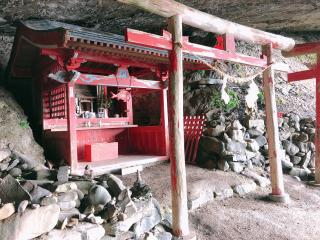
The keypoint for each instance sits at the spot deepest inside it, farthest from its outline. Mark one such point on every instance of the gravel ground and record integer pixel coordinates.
(251, 217)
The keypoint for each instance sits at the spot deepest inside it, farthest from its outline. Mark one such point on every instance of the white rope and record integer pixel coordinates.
(238, 80)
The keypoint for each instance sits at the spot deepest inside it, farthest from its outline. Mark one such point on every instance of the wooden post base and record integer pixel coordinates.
(191, 236)
(284, 198)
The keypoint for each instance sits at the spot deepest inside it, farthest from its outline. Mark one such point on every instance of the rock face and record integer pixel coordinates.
(30, 223)
(264, 15)
(15, 132)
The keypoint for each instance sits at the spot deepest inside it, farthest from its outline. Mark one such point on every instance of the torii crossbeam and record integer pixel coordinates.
(178, 14)
(314, 72)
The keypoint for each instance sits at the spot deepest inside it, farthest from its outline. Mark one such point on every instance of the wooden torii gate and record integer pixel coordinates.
(314, 72)
(177, 14)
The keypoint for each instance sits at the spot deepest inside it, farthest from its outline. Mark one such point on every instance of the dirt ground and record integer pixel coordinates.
(251, 217)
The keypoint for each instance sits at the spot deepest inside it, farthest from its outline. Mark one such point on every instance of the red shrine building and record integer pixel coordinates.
(92, 98)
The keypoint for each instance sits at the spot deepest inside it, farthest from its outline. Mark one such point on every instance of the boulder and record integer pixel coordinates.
(149, 221)
(236, 166)
(30, 224)
(82, 231)
(299, 172)
(302, 137)
(290, 148)
(215, 132)
(99, 195)
(253, 146)
(115, 185)
(38, 193)
(12, 191)
(223, 165)
(261, 140)
(236, 147)
(15, 172)
(65, 187)
(296, 160)
(259, 180)
(63, 174)
(6, 210)
(211, 145)
(306, 160)
(4, 153)
(244, 188)
(256, 124)
(254, 133)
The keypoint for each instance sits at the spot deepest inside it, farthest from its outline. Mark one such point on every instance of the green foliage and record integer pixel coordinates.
(217, 102)
(309, 58)
(260, 98)
(24, 124)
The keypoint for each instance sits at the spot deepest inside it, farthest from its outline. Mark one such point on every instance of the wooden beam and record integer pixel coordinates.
(164, 43)
(317, 134)
(272, 127)
(302, 75)
(180, 223)
(210, 23)
(303, 49)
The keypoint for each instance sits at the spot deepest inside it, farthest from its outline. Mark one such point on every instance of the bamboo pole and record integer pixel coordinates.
(180, 223)
(277, 184)
(210, 23)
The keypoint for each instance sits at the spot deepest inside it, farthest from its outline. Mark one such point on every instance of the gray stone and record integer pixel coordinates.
(15, 172)
(4, 166)
(284, 135)
(63, 174)
(4, 153)
(302, 137)
(296, 160)
(22, 206)
(82, 231)
(244, 188)
(223, 165)
(286, 165)
(253, 146)
(64, 206)
(6, 211)
(215, 132)
(49, 200)
(211, 145)
(261, 140)
(99, 195)
(70, 213)
(303, 147)
(306, 160)
(65, 187)
(236, 125)
(290, 148)
(256, 124)
(236, 166)
(299, 172)
(164, 236)
(149, 221)
(13, 164)
(236, 158)
(29, 224)
(115, 185)
(38, 193)
(236, 147)
(223, 193)
(237, 135)
(12, 191)
(84, 186)
(311, 146)
(255, 133)
(67, 196)
(259, 180)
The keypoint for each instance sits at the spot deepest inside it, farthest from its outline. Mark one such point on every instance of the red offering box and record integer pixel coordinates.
(100, 151)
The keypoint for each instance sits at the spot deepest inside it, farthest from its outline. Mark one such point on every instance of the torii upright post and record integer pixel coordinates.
(314, 72)
(277, 184)
(180, 224)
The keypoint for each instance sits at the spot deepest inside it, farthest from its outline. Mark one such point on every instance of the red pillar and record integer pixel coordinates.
(317, 135)
(72, 125)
